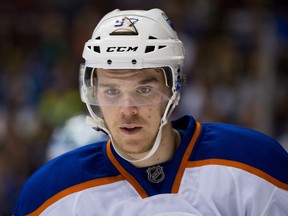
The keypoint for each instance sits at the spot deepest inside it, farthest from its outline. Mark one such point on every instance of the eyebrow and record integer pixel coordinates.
(149, 80)
(106, 85)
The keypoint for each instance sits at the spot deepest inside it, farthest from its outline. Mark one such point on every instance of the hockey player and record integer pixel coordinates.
(131, 82)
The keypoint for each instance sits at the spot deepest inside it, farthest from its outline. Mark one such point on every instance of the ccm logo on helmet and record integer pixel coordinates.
(122, 49)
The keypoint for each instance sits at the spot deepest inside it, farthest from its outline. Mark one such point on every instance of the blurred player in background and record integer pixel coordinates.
(131, 82)
(73, 134)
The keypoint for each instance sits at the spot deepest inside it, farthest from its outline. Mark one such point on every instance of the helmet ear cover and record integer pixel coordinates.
(173, 80)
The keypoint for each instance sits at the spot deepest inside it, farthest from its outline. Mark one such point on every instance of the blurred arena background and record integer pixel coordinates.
(236, 69)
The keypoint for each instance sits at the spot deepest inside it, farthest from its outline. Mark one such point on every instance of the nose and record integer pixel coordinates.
(128, 108)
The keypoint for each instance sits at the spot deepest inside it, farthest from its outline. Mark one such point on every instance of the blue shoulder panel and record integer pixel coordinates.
(75, 167)
(229, 142)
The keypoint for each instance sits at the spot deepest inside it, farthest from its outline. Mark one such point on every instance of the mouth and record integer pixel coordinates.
(130, 129)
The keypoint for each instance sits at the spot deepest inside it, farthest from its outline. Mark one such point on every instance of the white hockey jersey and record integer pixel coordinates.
(218, 169)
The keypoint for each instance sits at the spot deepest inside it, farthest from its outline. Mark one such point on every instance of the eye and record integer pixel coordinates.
(112, 91)
(144, 90)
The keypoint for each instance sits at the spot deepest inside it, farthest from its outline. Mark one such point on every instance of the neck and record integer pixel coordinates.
(168, 146)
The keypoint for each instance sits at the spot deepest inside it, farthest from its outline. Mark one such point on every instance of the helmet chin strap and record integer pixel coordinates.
(98, 124)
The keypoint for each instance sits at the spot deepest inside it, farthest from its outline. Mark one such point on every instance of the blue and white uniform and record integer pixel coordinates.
(218, 169)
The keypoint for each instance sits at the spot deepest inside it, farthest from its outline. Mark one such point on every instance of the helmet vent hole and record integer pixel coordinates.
(98, 38)
(97, 49)
(151, 37)
(109, 61)
(161, 47)
(134, 61)
(149, 49)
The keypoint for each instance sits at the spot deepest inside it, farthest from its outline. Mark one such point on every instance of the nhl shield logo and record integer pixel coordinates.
(155, 174)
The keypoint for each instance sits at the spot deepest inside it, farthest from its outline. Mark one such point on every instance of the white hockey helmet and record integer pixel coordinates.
(132, 39)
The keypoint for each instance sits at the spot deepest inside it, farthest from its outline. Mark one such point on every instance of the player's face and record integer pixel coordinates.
(132, 103)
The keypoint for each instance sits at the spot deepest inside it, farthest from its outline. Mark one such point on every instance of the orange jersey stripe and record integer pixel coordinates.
(242, 166)
(126, 175)
(74, 189)
(185, 159)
